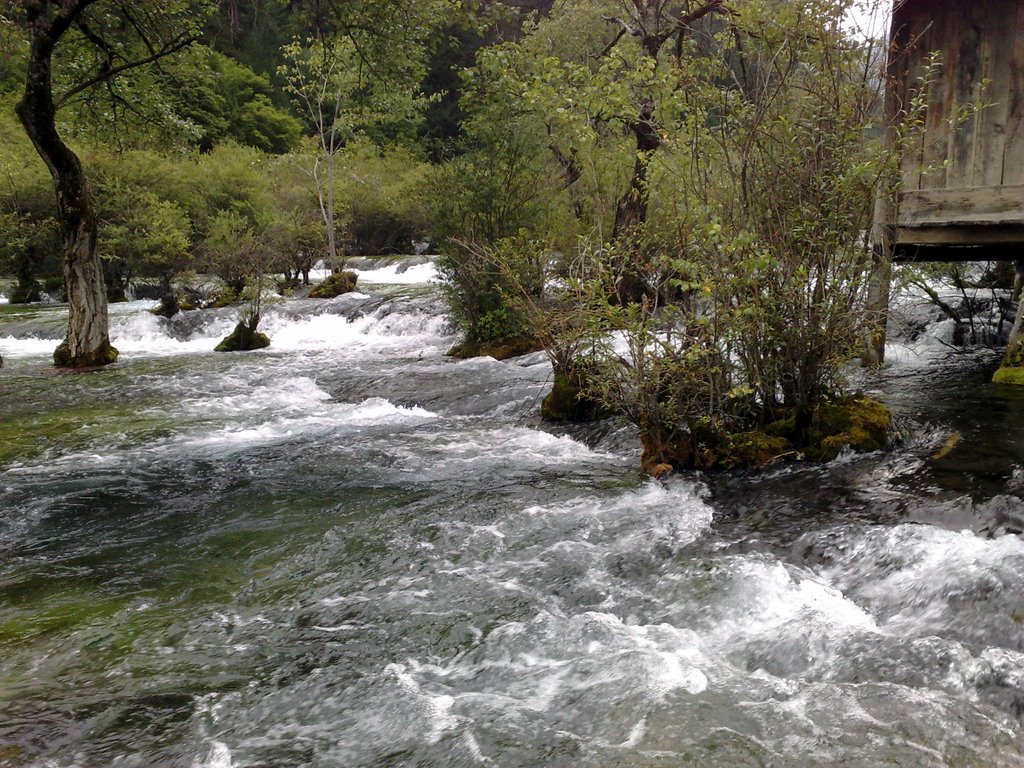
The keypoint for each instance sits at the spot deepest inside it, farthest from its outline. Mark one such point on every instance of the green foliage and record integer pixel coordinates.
(481, 285)
(226, 101)
(149, 236)
(13, 51)
(738, 286)
(29, 236)
(106, 85)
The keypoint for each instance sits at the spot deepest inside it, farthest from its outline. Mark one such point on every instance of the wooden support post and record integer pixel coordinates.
(877, 305)
(883, 227)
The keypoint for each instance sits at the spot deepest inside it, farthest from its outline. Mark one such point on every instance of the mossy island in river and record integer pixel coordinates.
(244, 338)
(335, 284)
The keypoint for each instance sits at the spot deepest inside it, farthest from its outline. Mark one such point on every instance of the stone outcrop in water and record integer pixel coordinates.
(26, 292)
(335, 285)
(169, 306)
(244, 338)
(499, 349)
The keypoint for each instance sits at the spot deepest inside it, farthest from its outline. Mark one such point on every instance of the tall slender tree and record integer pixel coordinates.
(88, 48)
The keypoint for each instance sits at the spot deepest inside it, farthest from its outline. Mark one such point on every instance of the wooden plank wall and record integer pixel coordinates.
(971, 174)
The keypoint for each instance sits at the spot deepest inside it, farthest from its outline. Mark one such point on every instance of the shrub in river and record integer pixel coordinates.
(26, 293)
(335, 285)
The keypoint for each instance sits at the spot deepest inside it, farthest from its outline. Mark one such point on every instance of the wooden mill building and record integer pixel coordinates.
(962, 193)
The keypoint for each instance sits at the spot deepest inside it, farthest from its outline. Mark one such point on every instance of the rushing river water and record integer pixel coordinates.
(348, 550)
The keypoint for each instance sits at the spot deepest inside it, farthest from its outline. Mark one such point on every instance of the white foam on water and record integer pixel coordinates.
(218, 756)
(392, 274)
(765, 596)
(413, 333)
(292, 395)
(413, 275)
(467, 449)
(911, 575)
(3, 298)
(935, 343)
(374, 411)
(142, 333)
(27, 347)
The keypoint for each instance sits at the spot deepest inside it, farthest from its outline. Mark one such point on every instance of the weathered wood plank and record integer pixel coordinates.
(937, 134)
(1013, 152)
(965, 38)
(959, 235)
(997, 37)
(969, 205)
(913, 32)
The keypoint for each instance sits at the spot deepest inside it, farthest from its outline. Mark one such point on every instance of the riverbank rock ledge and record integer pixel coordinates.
(1011, 370)
(856, 422)
(499, 349)
(243, 339)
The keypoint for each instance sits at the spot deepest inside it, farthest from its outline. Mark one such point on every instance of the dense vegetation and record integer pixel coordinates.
(670, 198)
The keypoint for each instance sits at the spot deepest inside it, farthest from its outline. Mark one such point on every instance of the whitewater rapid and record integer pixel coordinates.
(349, 550)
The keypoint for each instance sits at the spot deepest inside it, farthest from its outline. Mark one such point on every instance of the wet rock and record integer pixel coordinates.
(102, 355)
(707, 446)
(26, 293)
(169, 306)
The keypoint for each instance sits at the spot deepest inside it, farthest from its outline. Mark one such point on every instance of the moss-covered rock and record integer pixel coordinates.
(335, 285)
(1013, 376)
(243, 339)
(170, 305)
(744, 450)
(499, 349)
(568, 402)
(859, 423)
(1011, 370)
(221, 299)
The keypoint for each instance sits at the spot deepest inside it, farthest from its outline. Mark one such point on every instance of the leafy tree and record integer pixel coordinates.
(86, 46)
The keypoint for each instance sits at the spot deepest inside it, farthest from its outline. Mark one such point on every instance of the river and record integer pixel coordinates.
(348, 550)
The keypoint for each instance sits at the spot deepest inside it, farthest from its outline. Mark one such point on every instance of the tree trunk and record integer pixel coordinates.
(88, 341)
(631, 211)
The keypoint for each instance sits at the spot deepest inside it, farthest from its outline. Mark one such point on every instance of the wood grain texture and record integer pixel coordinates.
(970, 205)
